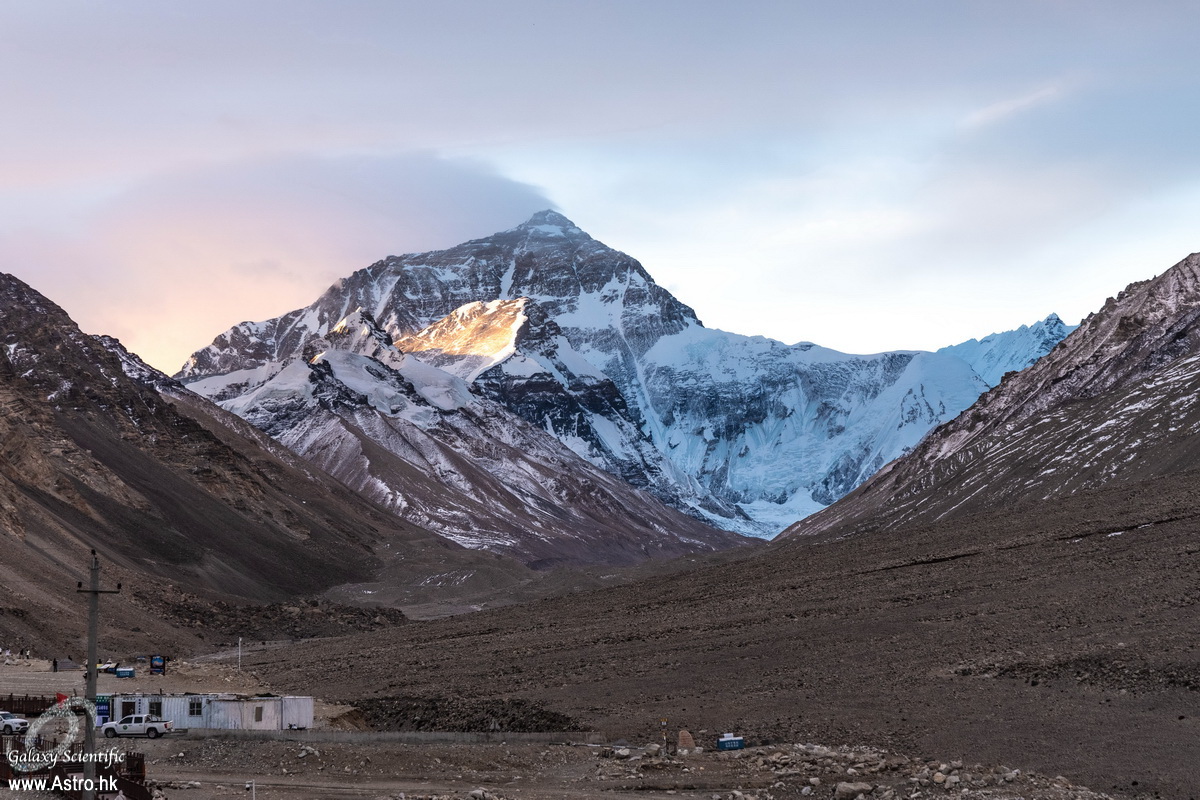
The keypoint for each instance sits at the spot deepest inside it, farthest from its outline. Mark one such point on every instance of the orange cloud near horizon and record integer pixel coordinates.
(169, 265)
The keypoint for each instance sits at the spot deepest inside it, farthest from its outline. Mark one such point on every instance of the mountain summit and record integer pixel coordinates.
(745, 433)
(550, 219)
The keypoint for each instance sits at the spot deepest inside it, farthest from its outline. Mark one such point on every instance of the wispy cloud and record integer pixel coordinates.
(1013, 106)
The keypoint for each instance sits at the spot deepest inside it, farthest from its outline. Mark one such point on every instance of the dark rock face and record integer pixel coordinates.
(93, 458)
(1115, 402)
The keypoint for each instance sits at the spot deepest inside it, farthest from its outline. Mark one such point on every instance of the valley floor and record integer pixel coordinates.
(198, 765)
(1041, 639)
(1061, 638)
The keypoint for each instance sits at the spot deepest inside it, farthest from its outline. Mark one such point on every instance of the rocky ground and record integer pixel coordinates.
(191, 768)
(300, 619)
(210, 769)
(461, 715)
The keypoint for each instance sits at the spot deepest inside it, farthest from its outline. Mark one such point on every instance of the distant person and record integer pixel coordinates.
(54, 665)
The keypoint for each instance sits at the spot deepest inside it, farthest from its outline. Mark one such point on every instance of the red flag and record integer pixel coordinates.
(60, 697)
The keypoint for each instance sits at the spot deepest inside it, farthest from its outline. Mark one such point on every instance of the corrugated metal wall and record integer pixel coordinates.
(222, 712)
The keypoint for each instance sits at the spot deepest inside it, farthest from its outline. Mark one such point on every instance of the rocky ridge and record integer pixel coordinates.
(295, 619)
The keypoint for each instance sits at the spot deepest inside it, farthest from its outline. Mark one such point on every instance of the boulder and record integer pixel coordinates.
(849, 791)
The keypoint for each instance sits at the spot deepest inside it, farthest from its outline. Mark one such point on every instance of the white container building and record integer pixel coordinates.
(218, 711)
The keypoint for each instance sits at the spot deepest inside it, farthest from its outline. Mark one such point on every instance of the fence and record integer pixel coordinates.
(400, 737)
(133, 790)
(27, 706)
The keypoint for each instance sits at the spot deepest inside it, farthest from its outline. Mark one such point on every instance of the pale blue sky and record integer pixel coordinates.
(865, 175)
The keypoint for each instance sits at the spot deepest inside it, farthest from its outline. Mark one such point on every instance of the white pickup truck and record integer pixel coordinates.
(137, 725)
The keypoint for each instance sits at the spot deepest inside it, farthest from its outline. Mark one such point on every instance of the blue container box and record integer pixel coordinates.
(124, 672)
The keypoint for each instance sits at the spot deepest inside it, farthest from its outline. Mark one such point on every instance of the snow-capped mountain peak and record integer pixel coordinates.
(579, 340)
(359, 325)
(408, 431)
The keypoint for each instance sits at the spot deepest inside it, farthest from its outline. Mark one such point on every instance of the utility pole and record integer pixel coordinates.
(89, 738)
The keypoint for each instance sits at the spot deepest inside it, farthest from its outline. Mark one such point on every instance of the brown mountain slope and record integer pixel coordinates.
(1113, 402)
(170, 490)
